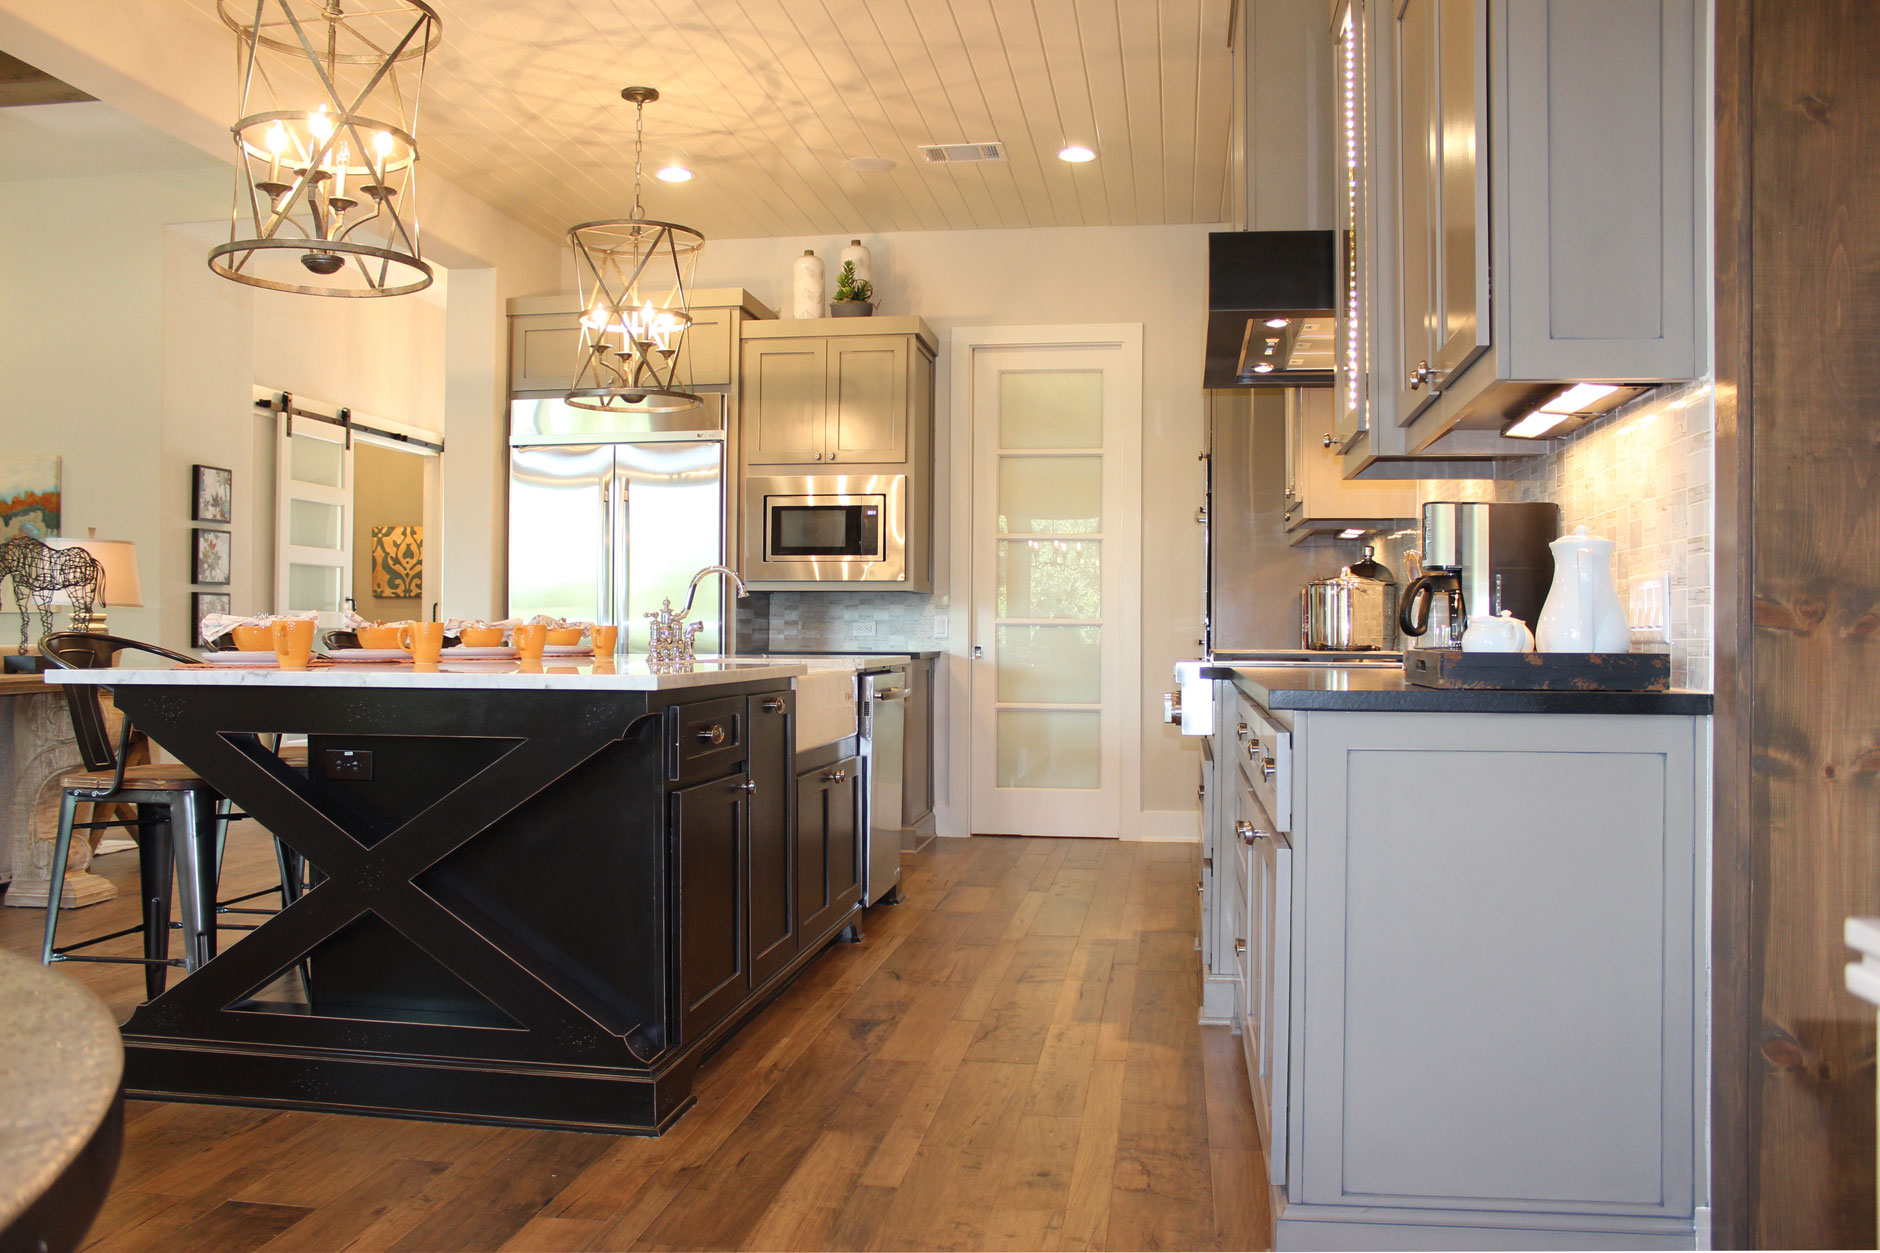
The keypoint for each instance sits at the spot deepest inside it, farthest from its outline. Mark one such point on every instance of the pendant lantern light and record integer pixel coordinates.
(326, 148)
(634, 273)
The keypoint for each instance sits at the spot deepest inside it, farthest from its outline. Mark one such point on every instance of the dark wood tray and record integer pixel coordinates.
(1537, 672)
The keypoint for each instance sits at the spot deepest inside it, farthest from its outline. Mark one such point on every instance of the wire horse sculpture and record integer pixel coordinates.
(39, 570)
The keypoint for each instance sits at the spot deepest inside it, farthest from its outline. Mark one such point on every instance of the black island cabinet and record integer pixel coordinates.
(530, 899)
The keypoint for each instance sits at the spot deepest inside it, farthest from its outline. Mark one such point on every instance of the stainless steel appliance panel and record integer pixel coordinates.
(884, 729)
(563, 522)
(555, 421)
(826, 528)
(673, 527)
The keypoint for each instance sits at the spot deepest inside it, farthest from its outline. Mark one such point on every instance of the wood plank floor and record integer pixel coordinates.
(1010, 1060)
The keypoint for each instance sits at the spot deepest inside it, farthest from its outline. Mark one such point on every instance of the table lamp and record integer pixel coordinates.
(120, 585)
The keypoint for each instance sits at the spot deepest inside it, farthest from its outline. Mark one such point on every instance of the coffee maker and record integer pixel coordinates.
(1483, 558)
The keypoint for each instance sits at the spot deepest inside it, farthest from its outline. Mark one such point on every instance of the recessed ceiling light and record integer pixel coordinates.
(1076, 154)
(674, 174)
(870, 165)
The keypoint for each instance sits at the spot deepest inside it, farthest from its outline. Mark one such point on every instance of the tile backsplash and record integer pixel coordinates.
(782, 622)
(1643, 476)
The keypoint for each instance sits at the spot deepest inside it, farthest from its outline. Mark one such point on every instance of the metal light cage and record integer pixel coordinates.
(326, 149)
(634, 274)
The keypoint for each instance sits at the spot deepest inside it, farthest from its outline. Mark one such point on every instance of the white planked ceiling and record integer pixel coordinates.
(765, 100)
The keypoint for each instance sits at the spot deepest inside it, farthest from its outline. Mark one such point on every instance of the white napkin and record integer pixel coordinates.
(216, 625)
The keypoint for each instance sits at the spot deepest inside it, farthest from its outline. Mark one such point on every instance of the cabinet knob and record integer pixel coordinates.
(1327, 441)
(1248, 833)
(1421, 375)
(749, 785)
(773, 705)
(1201, 793)
(1201, 515)
(1268, 769)
(835, 776)
(1240, 730)
(1240, 948)
(832, 456)
(819, 456)
(713, 734)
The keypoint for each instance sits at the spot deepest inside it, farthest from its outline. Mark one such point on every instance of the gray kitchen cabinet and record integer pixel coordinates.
(1466, 957)
(545, 340)
(822, 391)
(1553, 147)
(1318, 496)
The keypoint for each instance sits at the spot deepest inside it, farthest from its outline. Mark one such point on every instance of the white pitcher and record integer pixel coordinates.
(1583, 614)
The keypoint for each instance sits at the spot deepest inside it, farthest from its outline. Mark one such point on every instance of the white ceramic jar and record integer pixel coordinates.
(806, 288)
(1502, 634)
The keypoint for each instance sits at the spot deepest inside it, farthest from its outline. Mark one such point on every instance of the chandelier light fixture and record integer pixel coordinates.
(634, 273)
(326, 149)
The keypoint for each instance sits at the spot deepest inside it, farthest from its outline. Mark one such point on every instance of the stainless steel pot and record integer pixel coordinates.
(1348, 613)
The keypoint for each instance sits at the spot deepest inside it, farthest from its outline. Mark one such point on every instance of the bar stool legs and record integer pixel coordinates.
(156, 859)
(68, 812)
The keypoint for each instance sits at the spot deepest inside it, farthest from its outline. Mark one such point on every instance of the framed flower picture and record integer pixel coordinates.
(201, 605)
(211, 557)
(212, 491)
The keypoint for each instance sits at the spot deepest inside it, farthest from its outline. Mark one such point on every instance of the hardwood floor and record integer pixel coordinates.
(1009, 1060)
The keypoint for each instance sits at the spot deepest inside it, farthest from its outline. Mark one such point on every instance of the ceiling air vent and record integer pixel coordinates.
(953, 154)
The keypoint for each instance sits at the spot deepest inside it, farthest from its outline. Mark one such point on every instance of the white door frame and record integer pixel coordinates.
(954, 814)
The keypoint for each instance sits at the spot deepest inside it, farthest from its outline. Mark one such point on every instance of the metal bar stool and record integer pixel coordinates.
(182, 820)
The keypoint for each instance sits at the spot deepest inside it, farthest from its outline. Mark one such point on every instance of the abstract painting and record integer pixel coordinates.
(29, 497)
(211, 556)
(397, 562)
(212, 490)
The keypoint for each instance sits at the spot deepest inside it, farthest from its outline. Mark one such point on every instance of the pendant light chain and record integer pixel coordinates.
(639, 142)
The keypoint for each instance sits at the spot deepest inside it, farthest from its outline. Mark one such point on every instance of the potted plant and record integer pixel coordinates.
(854, 296)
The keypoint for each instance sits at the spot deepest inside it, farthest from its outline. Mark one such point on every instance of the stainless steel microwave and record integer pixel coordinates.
(826, 528)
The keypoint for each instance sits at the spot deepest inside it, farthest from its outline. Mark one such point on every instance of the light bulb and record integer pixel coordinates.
(339, 171)
(320, 124)
(277, 139)
(382, 143)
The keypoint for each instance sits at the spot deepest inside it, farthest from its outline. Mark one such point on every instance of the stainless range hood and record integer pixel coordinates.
(1272, 300)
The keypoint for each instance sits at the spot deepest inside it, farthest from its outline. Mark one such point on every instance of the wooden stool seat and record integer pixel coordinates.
(165, 776)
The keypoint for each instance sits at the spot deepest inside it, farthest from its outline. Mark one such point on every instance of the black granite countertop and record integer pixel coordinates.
(1380, 689)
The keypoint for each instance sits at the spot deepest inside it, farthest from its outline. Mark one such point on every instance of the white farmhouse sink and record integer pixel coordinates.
(825, 707)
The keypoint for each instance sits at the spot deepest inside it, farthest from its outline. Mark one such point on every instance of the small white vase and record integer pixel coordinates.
(806, 299)
(857, 252)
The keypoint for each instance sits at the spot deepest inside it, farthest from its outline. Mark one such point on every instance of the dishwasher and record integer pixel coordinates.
(882, 718)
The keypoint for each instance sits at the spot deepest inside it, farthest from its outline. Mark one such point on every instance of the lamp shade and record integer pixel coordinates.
(121, 587)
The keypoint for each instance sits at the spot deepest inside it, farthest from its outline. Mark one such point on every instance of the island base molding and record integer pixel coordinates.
(1300, 1227)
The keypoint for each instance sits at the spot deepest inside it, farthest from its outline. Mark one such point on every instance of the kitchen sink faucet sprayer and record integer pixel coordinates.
(671, 641)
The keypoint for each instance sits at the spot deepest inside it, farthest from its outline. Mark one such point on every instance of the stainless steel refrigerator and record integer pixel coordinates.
(609, 515)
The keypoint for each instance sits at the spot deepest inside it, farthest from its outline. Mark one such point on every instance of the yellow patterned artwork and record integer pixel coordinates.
(397, 562)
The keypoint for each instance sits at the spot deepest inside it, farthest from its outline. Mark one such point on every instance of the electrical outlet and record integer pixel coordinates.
(1648, 609)
(865, 629)
(939, 626)
(352, 764)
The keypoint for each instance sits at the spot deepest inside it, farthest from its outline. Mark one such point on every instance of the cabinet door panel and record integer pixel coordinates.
(1414, 59)
(868, 388)
(785, 393)
(1461, 108)
(845, 837)
(709, 820)
(543, 351)
(772, 723)
(828, 859)
(705, 357)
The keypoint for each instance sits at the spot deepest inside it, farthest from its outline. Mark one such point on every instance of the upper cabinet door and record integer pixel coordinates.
(784, 396)
(868, 386)
(544, 349)
(705, 358)
(1460, 317)
(1414, 56)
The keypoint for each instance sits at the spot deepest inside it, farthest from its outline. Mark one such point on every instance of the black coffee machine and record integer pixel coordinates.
(1482, 558)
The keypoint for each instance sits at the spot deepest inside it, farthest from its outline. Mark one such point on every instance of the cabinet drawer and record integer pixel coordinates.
(1264, 753)
(705, 739)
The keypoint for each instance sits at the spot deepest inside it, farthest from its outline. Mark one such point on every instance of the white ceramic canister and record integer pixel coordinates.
(1502, 634)
(1583, 613)
(857, 252)
(806, 289)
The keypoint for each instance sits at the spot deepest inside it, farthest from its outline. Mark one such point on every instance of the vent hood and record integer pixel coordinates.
(1272, 301)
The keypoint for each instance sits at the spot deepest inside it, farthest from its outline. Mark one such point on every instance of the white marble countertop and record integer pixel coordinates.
(622, 674)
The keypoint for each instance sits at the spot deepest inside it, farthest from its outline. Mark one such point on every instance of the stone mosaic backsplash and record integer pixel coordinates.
(1643, 476)
(782, 622)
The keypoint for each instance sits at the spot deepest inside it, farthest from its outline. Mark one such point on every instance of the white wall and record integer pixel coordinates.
(1153, 275)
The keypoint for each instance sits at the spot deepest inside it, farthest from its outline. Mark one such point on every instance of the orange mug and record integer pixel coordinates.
(562, 637)
(253, 638)
(529, 639)
(481, 637)
(293, 642)
(606, 640)
(423, 640)
(377, 637)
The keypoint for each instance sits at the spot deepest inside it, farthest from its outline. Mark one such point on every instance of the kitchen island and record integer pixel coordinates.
(1460, 934)
(535, 893)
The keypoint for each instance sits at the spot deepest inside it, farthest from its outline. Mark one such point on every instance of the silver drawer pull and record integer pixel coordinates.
(835, 776)
(1268, 769)
(1248, 833)
(749, 785)
(1240, 731)
(713, 734)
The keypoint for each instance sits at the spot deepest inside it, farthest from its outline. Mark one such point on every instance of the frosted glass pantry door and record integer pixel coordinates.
(1055, 519)
(313, 523)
